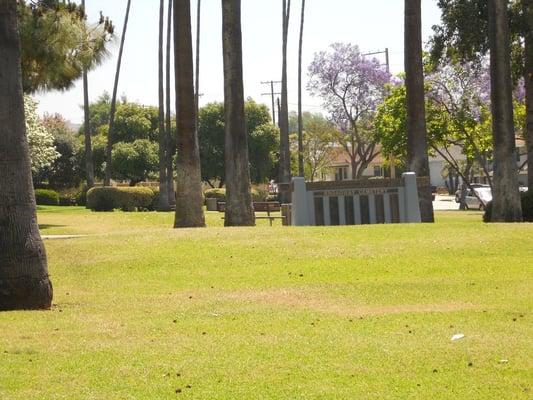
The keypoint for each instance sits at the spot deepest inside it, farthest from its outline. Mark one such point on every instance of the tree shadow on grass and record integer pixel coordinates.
(47, 226)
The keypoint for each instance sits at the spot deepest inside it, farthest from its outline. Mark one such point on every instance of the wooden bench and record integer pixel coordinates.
(260, 206)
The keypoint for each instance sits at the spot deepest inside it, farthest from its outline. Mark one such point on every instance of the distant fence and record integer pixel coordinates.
(379, 201)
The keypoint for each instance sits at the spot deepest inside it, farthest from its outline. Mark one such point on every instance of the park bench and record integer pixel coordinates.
(260, 206)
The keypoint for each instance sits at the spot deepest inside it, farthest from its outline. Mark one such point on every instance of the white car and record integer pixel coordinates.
(478, 198)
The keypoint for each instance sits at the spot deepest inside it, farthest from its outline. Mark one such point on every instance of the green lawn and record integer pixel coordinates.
(142, 311)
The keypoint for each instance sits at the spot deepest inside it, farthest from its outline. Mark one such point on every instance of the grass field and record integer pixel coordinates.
(142, 311)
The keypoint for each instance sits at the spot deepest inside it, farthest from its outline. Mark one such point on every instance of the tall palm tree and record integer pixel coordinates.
(506, 205)
(109, 147)
(239, 209)
(163, 147)
(285, 156)
(527, 6)
(417, 146)
(197, 76)
(301, 171)
(189, 198)
(24, 281)
(168, 117)
(89, 165)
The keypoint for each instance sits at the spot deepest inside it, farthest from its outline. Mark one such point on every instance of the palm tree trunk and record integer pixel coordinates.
(189, 198)
(89, 165)
(301, 170)
(197, 72)
(285, 156)
(528, 76)
(163, 182)
(24, 281)
(506, 205)
(417, 147)
(168, 123)
(239, 209)
(109, 147)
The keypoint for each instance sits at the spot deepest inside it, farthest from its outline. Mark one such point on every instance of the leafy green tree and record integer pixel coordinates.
(136, 161)
(317, 142)
(262, 145)
(57, 43)
(65, 170)
(40, 140)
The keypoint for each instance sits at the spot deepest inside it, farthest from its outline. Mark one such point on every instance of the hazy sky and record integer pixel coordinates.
(371, 24)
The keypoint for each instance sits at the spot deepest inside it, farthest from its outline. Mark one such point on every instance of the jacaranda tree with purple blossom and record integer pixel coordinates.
(351, 87)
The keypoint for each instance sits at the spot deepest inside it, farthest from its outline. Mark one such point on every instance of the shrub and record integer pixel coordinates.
(527, 208)
(68, 197)
(272, 197)
(220, 194)
(124, 198)
(46, 197)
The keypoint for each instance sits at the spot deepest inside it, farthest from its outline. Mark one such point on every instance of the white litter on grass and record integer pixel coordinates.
(504, 361)
(457, 336)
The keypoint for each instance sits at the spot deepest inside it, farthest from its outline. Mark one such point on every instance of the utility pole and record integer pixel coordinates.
(392, 159)
(272, 94)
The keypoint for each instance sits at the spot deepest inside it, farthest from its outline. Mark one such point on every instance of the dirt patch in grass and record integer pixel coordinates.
(318, 302)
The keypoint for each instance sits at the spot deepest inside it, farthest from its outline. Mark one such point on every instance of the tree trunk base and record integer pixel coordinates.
(25, 294)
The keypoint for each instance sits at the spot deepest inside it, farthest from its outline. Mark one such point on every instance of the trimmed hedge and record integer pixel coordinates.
(527, 208)
(220, 194)
(46, 197)
(124, 198)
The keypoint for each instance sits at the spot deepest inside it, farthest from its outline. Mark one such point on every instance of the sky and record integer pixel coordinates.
(373, 25)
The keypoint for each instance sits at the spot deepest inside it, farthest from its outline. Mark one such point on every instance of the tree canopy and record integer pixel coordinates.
(57, 43)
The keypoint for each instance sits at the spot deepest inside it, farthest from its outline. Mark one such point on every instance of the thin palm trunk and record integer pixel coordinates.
(285, 156)
(239, 209)
(528, 76)
(168, 118)
(110, 138)
(301, 170)
(89, 164)
(417, 146)
(506, 205)
(197, 76)
(163, 147)
(24, 281)
(189, 198)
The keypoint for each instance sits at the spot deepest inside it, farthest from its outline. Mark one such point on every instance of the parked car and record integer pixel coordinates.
(473, 186)
(478, 198)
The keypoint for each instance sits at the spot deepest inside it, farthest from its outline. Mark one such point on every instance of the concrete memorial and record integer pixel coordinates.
(380, 201)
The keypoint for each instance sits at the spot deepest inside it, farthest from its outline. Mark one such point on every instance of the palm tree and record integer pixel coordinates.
(163, 147)
(239, 209)
(528, 42)
(168, 117)
(301, 171)
(197, 77)
(89, 165)
(417, 147)
(506, 205)
(189, 198)
(285, 156)
(24, 281)
(109, 147)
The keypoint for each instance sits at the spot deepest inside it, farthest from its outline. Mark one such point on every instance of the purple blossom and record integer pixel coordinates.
(350, 85)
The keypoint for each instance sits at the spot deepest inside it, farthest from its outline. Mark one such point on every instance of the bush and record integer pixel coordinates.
(272, 197)
(220, 194)
(527, 208)
(68, 197)
(46, 197)
(124, 198)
